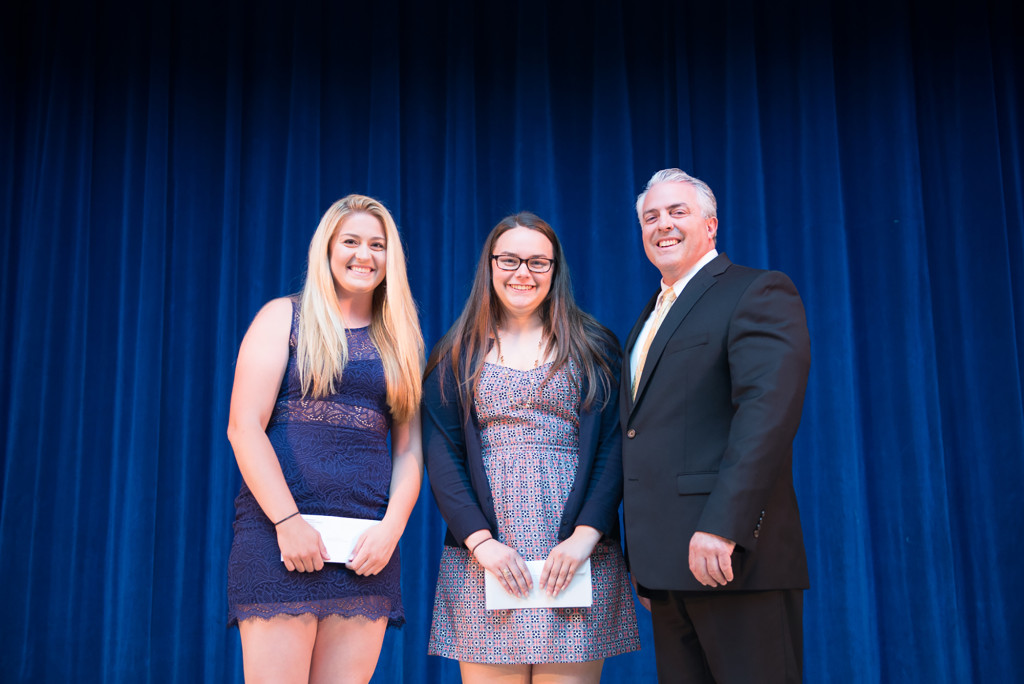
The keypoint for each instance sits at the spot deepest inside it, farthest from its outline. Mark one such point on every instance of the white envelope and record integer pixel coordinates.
(339, 534)
(579, 593)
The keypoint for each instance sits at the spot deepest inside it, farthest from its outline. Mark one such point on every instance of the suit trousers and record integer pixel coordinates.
(740, 637)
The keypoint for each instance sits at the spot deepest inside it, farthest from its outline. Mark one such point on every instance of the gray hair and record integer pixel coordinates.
(705, 198)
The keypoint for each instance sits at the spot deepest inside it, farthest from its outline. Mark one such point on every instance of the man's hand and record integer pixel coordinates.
(711, 559)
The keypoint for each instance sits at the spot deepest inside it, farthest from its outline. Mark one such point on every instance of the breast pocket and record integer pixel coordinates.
(687, 342)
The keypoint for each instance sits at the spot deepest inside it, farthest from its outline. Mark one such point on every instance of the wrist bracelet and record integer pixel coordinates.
(472, 551)
(286, 518)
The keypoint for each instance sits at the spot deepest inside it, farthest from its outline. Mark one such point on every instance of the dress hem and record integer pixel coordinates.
(267, 611)
(560, 658)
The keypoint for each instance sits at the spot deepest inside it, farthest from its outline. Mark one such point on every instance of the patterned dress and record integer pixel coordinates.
(335, 459)
(530, 443)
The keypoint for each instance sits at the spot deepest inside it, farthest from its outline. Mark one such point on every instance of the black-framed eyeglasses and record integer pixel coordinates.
(510, 262)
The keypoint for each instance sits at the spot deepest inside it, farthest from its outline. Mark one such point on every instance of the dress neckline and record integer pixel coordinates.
(518, 370)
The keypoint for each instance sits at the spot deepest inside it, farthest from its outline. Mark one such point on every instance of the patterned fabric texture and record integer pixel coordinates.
(335, 459)
(530, 441)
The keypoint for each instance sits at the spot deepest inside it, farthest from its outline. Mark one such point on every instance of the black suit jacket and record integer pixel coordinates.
(708, 441)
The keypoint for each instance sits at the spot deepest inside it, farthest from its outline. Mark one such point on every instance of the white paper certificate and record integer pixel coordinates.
(339, 534)
(578, 594)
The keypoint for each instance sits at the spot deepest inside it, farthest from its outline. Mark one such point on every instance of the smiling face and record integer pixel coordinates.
(676, 233)
(358, 252)
(521, 292)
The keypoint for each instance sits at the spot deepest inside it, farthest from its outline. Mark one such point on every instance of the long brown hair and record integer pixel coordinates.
(570, 332)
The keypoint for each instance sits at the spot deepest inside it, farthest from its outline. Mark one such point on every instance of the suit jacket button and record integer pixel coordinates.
(757, 533)
(631, 433)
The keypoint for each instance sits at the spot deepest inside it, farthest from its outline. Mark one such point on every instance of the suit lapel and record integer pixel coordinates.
(625, 396)
(691, 294)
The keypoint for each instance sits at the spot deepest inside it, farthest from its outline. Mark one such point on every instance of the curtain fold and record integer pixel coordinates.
(164, 166)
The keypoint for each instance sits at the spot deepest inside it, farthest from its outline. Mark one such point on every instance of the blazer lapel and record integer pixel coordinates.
(625, 396)
(691, 294)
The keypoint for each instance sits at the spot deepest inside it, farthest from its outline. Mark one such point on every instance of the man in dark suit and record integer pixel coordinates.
(712, 391)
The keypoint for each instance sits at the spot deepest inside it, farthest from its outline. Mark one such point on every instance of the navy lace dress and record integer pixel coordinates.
(335, 458)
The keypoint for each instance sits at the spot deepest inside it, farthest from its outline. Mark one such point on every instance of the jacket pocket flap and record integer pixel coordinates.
(688, 342)
(696, 483)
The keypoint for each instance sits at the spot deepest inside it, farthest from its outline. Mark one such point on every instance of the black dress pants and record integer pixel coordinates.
(742, 637)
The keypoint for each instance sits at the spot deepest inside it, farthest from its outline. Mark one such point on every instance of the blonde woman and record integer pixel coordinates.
(320, 381)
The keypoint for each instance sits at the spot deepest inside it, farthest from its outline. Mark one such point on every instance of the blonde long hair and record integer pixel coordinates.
(322, 349)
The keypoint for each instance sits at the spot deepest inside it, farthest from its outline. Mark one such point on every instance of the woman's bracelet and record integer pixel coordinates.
(472, 551)
(286, 518)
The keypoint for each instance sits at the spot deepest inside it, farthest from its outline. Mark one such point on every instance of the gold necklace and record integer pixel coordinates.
(527, 403)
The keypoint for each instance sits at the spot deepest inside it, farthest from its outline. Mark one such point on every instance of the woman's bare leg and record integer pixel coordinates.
(568, 673)
(278, 649)
(347, 649)
(486, 673)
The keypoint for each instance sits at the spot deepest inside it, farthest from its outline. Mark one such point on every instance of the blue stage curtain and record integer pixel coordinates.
(164, 164)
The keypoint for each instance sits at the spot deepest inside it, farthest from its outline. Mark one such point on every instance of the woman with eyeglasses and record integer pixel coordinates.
(522, 447)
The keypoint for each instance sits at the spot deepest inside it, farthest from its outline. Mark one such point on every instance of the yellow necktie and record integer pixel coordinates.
(661, 310)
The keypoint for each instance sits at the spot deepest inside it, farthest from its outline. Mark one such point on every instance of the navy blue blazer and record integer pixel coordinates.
(455, 468)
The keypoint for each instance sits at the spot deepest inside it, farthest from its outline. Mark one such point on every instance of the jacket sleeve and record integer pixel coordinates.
(769, 359)
(446, 457)
(604, 488)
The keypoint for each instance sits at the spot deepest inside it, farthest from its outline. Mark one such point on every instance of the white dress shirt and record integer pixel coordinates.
(634, 353)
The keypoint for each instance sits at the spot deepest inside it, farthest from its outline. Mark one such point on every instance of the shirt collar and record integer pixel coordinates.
(682, 282)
